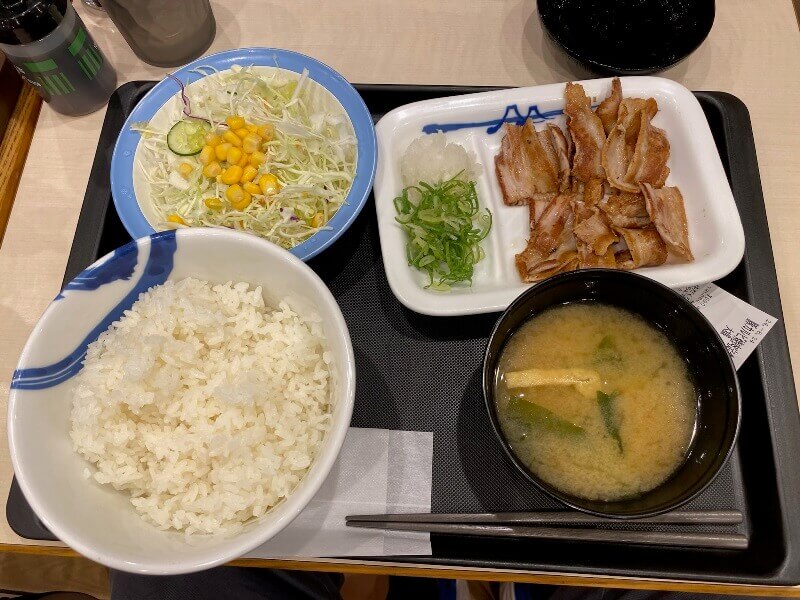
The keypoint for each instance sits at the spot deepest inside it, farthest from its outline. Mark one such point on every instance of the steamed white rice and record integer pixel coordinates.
(203, 404)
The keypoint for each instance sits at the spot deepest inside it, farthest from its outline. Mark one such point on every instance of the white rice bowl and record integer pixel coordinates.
(101, 522)
(204, 404)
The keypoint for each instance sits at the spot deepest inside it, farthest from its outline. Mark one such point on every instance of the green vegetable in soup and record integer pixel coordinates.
(529, 413)
(606, 404)
(607, 343)
(607, 351)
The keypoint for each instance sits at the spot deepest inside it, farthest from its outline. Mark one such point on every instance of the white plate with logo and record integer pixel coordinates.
(475, 121)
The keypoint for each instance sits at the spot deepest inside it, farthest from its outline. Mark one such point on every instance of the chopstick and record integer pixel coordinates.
(683, 517)
(722, 541)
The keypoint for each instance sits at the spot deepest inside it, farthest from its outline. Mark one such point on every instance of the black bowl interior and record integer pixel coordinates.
(709, 364)
(626, 37)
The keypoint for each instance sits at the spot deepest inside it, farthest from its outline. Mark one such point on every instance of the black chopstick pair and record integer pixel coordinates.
(565, 526)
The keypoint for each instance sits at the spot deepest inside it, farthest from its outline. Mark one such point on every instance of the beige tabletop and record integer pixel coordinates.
(753, 51)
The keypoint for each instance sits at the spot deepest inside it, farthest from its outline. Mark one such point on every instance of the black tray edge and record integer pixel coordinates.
(774, 349)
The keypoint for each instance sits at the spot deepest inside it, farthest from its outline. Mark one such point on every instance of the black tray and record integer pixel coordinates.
(423, 373)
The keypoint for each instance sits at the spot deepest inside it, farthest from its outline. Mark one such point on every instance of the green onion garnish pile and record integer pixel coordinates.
(445, 226)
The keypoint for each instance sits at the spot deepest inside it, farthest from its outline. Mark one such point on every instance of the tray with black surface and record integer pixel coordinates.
(423, 373)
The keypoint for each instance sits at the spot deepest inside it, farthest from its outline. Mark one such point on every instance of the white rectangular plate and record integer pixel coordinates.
(715, 229)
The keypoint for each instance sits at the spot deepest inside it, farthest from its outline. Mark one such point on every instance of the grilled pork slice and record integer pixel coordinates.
(626, 210)
(532, 165)
(551, 247)
(646, 247)
(587, 133)
(591, 227)
(635, 151)
(609, 108)
(666, 209)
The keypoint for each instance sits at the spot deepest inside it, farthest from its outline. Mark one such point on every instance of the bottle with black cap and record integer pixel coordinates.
(50, 47)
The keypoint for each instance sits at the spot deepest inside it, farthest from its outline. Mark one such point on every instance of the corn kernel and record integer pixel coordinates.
(212, 169)
(251, 128)
(249, 174)
(316, 220)
(185, 169)
(213, 203)
(234, 193)
(232, 175)
(252, 188)
(238, 198)
(212, 139)
(232, 138)
(234, 122)
(257, 159)
(267, 132)
(243, 203)
(269, 184)
(221, 151)
(173, 218)
(206, 155)
(251, 143)
(234, 155)
(244, 160)
(242, 132)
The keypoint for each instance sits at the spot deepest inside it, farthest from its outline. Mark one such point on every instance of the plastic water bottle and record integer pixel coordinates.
(50, 47)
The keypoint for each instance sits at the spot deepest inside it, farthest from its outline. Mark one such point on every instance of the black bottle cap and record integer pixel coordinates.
(26, 21)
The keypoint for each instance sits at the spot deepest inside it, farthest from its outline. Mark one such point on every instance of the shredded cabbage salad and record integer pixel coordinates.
(312, 155)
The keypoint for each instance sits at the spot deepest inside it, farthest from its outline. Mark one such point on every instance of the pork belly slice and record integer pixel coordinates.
(608, 109)
(624, 260)
(649, 161)
(563, 151)
(587, 132)
(587, 259)
(531, 164)
(591, 227)
(551, 246)
(543, 267)
(666, 209)
(646, 247)
(616, 157)
(514, 168)
(593, 191)
(625, 210)
(632, 151)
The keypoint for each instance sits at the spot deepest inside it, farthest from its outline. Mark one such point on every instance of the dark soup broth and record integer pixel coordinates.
(595, 401)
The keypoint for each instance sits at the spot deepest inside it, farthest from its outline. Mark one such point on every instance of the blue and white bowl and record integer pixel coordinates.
(100, 522)
(128, 185)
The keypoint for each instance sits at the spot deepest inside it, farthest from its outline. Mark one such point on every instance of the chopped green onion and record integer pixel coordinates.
(445, 226)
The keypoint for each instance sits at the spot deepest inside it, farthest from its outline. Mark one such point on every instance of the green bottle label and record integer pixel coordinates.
(47, 75)
(87, 56)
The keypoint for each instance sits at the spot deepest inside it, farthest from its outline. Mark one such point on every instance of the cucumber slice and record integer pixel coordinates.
(186, 138)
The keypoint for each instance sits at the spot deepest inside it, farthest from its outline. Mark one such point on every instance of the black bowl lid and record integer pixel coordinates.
(628, 36)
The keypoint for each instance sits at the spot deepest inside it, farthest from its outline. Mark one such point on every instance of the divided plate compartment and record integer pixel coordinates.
(416, 372)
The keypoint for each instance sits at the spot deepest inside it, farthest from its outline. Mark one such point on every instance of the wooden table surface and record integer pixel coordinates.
(752, 52)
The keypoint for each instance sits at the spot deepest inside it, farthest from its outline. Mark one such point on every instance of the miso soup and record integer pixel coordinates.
(595, 401)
